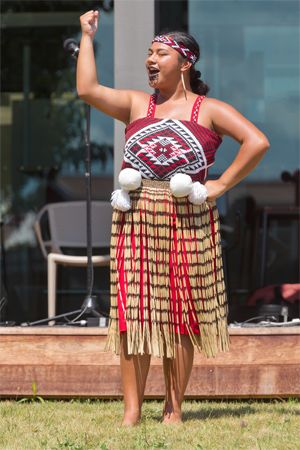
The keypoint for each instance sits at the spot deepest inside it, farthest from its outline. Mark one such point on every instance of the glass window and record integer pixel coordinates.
(250, 59)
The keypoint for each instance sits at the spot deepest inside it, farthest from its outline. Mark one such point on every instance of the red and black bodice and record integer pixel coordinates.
(160, 148)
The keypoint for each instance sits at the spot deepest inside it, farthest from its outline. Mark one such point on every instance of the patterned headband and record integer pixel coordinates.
(184, 51)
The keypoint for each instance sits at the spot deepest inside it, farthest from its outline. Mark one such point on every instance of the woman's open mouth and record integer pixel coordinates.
(153, 73)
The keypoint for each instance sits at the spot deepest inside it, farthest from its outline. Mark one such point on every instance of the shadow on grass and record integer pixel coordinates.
(214, 412)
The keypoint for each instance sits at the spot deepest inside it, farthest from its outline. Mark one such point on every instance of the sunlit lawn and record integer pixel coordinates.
(95, 424)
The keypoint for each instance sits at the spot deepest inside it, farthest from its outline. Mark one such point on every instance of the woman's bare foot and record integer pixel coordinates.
(170, 415)
(131, 419)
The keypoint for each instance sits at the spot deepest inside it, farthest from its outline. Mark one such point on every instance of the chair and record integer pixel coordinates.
(67, 229)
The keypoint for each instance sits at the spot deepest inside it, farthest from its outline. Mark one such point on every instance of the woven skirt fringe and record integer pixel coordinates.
(169, 249)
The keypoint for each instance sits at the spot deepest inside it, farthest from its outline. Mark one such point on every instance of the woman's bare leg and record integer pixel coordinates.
(177, 374)
(134, 371)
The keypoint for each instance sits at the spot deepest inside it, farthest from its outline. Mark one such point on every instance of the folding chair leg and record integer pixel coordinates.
(52, 269)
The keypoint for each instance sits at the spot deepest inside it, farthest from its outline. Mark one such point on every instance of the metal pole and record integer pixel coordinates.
(88, 201)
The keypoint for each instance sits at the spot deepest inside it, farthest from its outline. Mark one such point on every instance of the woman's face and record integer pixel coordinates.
(162, 64)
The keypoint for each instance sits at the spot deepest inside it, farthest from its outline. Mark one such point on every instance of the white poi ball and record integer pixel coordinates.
(120, 200)
(198, 194)
(181, 184)
(130, 179)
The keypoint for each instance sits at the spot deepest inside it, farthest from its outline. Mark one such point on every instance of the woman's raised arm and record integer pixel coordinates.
(113, 102)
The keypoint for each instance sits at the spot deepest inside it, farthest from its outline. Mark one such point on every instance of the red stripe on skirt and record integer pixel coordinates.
(174, 287)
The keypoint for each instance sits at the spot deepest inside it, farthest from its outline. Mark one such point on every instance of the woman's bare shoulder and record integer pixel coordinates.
(227, 120)
(212, 102)
(138, 97)
(139, 105)
(138, 94)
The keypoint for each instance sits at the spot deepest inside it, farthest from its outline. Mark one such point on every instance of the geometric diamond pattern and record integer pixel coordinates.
(161, 149)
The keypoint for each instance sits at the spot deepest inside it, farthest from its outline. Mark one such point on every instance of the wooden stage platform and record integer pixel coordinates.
(67, 362)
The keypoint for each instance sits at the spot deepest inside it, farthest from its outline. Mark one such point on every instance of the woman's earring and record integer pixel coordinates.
(183, 83)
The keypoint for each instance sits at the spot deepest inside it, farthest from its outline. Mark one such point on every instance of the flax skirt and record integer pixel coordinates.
(166, 274)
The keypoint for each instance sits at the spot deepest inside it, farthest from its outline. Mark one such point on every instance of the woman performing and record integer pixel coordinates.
(167, 284)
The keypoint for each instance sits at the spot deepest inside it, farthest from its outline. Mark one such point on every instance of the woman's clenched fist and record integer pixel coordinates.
(89, 22)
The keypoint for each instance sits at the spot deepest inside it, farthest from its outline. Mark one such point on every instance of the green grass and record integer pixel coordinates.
(95, 424)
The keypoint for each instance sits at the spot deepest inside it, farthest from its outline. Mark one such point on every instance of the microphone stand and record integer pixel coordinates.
(89, 305)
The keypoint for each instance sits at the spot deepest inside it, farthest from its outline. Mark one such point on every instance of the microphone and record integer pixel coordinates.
(71, 46)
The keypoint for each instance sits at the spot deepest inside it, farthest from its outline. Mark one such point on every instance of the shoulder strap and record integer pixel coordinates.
(196, 107)
(151, 106)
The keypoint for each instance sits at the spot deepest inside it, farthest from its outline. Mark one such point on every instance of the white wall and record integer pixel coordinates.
(134, 30)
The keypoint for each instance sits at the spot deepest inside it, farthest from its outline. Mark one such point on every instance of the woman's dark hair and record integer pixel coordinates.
(198, 86)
